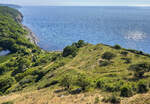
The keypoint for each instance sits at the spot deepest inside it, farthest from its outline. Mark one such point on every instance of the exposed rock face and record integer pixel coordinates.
(19, 18)
(31, 36)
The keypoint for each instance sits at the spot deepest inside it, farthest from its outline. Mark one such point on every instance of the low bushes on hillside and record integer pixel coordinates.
(111, 99)
(108, 55)
(126, 91)
(139, 69)
(142, 86)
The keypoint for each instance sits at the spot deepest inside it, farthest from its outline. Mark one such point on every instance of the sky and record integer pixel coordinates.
(79, 2)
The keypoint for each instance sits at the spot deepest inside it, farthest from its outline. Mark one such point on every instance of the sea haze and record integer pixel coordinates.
(57, 26)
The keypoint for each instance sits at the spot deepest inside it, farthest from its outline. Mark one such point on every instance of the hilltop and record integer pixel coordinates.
(11, 5)
(81, 74)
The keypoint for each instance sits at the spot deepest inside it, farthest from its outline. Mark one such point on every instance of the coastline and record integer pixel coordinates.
(31, 36)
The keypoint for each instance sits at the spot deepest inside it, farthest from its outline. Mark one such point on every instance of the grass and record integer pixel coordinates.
(87, 62)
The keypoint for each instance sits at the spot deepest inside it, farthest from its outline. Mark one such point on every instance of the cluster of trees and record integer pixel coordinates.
(73, 49)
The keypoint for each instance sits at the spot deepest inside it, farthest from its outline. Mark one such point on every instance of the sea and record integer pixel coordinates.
(59, 26)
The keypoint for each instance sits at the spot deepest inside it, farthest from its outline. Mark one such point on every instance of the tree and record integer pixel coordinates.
(139, 69)
(117, 46)
(70, 50)
(108, 55)
(80, 44)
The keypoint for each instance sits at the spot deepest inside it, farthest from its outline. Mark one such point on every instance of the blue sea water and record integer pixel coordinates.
(58, 26)
(4, 52)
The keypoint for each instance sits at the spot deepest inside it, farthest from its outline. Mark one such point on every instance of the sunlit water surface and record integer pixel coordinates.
(57, 26)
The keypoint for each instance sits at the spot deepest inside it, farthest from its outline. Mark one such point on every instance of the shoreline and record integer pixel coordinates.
(31, 36)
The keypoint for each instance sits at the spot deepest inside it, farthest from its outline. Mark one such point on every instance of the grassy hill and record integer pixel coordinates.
(81, 74)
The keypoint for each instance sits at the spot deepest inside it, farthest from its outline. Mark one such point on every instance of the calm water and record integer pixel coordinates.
(3, 53)
(57, 27)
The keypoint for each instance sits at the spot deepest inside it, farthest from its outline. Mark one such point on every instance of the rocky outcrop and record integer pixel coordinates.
(31, 36)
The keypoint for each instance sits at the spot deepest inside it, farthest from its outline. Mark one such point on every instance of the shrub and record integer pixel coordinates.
(79, 44)
(5, 84)
(100, 83)
(67, 81)
(108, 55)
(127, 60)
(142, 86)
(96, 100)
(126, 91)
(135, 51)
(84, 82)
(139, 69)
(27, 80)
(70, 50)
(3, 68)
(104, 63)
(9, 102)
(22, 64)
(113, 86)
(125, 53)
(117, 46)
(112, 99)
(73, 49)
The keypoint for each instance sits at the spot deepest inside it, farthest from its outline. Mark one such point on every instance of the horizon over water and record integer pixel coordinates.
(58, 26)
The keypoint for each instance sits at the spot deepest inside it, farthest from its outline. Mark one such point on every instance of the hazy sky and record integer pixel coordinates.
(78, 2)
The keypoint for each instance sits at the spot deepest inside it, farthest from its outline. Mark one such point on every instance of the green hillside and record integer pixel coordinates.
(112, 72)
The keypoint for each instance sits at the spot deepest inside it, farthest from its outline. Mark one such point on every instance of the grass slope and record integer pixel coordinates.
(83, 73)
(86, 62)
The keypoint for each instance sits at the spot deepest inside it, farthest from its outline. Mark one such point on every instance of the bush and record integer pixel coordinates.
(27, 80)
(135, 51)
(139, 69)
(84, 82)
(3, 68)
(70, 50)
(108, 55)
(112, 99)
(22, 64)
(9, 102)
(5, 84)
(96, 100)
(142, 87)
(127, 60)
(79, 44)
(104, 63)
(67, 81)
(126, 91)
(117, 46)
(100, 83)
(124, 53)
(73, 49)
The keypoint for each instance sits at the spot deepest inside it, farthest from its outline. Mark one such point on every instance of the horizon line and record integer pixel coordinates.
(80, 4)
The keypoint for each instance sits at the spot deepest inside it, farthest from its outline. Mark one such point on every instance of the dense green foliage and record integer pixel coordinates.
(11, 32)
(73, 49)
